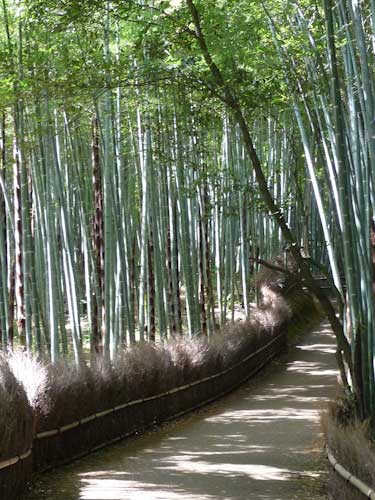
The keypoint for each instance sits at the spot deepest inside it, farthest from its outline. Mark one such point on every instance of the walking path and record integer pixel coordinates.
(260, 443)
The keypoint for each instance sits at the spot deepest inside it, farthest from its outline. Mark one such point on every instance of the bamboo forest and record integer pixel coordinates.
(187, 191)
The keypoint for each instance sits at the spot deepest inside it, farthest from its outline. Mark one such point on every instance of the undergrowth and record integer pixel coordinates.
(60, 394)
(16, 421)
(352, 443)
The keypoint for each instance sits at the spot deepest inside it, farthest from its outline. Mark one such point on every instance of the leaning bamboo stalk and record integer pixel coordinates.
(311, 169)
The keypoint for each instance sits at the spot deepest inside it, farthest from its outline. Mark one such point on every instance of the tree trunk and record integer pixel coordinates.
(232, 103)
(19, 288)
(151, 287)
(97, 239)
(3, 240)
(202, 278)
(173, 325)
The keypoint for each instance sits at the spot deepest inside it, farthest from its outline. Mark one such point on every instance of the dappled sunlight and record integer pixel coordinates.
(327, 331)
(308, 370)
(297, 399)
(289, 389)
(323, 348)
(262, 442)
(229, 442)
(234, 442)
(311, 368)
(112, 489)
(230, 446)
(257, 472)
(243, 451)
(269, 415)
(99, 473)
(302, 365)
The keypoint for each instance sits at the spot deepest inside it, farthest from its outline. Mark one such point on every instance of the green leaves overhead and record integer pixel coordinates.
(63, 53)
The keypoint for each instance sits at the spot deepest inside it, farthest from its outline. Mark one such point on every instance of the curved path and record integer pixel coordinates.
(260, 443)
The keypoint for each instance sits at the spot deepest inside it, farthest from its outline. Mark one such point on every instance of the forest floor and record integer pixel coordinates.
(262, 442)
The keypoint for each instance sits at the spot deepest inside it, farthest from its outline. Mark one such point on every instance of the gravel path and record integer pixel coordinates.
(260, 443)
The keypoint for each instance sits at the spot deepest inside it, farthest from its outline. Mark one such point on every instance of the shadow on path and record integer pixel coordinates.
(260, 443)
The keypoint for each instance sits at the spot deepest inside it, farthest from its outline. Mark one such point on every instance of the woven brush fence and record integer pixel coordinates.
(16, 434)
(57, 446)
(73, 412)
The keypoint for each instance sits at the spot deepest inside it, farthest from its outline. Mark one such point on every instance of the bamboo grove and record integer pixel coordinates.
(152, 154)
(176, 244)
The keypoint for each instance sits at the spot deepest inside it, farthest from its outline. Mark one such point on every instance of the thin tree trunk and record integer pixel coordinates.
(11, 313)
(19, 288)
(202, 278)
(3, 240)
(97, 240)
(232, 103)
(151, 287)
(178, 279)
(170, 284)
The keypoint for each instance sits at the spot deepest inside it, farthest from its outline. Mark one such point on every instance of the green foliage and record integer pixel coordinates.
(167, 145)
(62, 52)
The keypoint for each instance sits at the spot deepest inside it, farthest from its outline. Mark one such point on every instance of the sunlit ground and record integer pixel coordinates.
(261, 443)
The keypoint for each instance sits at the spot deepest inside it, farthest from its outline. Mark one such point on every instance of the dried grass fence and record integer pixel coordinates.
(16, 431)
(351, 452)
(71, 412)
